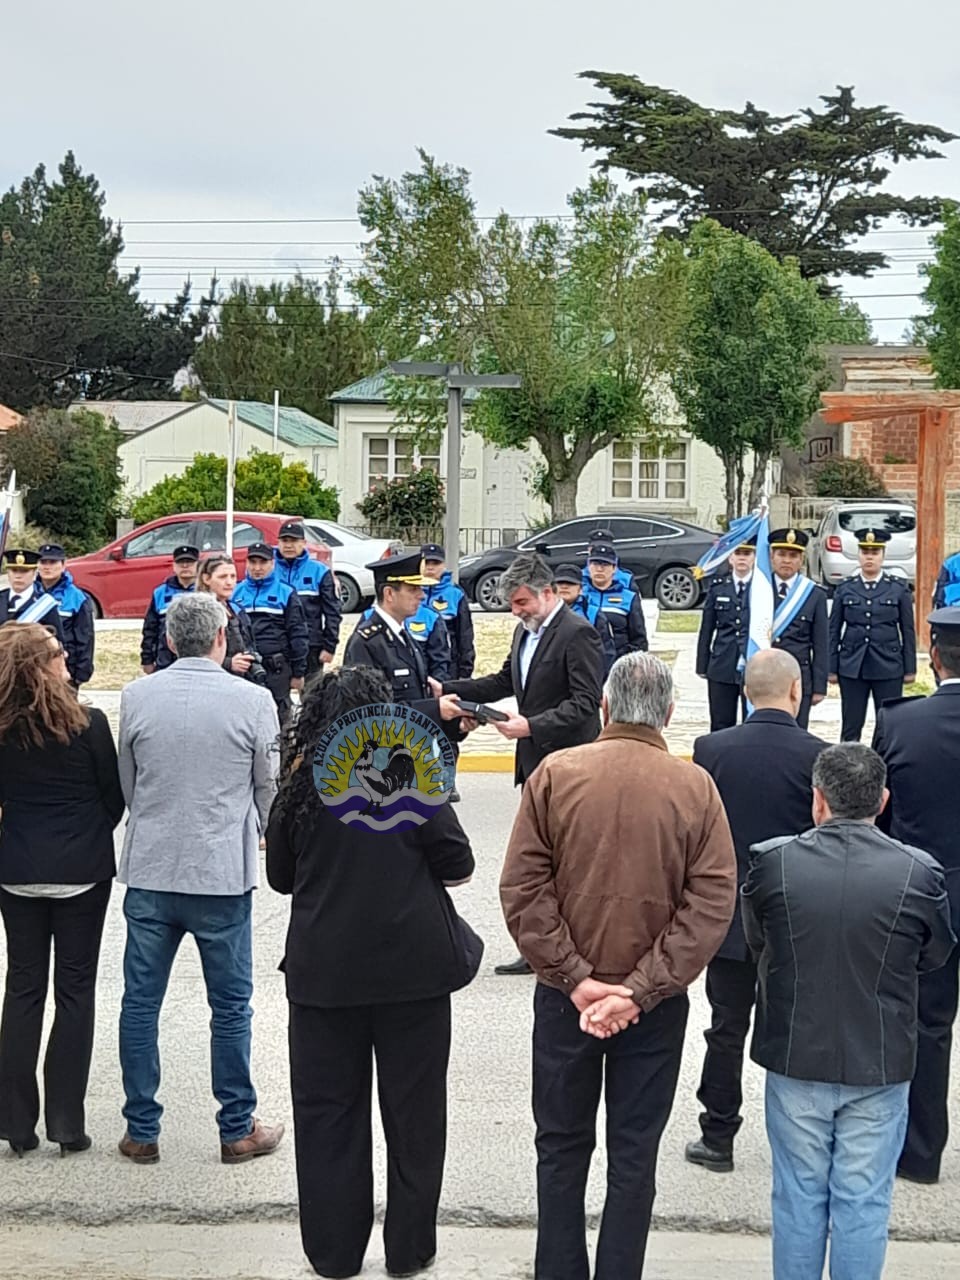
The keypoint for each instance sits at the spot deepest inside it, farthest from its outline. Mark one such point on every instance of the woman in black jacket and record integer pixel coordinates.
(373, 950)
(218, 575)
(60, 798)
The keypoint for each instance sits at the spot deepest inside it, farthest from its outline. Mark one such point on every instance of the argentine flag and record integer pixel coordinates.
(6, 510)
(762, 597)
(741, 530)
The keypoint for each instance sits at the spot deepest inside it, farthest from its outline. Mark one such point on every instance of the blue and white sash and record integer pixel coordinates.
(37, 609)
(791, 604)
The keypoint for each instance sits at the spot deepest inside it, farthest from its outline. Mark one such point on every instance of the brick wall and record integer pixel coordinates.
(896, 438)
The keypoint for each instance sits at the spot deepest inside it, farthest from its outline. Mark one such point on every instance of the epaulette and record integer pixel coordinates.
(372, 628)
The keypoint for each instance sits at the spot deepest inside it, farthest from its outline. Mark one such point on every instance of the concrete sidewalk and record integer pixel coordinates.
(271, 1251)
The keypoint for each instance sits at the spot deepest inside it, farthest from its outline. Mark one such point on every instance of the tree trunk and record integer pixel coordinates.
(730, 469)
(563, 498)
(740, 478)
(760, 461)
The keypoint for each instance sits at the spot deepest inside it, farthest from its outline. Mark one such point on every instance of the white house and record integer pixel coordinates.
(161, 438)
(683, 478)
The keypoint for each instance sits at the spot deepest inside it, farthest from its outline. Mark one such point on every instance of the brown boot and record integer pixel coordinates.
(260, 1141)
(138, 1152)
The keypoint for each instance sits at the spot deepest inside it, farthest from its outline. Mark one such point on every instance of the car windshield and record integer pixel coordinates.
(314, 535)
(890, 521)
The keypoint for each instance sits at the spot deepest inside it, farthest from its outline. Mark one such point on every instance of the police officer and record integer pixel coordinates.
(317, 589)
(722, 641)
(428, 630)
(25, 600)
(620, 604)
(384, 642)
(621, 577)
(279, 627)
(155, 653)
(946, 590)
(449, 602)
(873, 644)
(75, 609)
(570, 590)
(800, 617)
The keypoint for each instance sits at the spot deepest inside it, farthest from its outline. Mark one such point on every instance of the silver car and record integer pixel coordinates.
(833, 552)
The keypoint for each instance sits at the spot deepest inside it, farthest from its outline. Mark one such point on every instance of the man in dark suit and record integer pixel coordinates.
(800, 624)
(919, 740)
(555, 671)
(772, 746)
(722, 640)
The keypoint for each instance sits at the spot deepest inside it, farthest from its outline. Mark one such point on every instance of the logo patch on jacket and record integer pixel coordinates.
(418, 626)
(440, 604)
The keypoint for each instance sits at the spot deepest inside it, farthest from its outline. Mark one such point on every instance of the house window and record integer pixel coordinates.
(647, 471)
(393, 455)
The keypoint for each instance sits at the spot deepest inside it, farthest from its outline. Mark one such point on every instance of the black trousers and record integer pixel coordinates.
(724, 699)
(74, 926)
(278, 682)
(928, 1126)
(331, 1069)
(637, 1071)
(314, 665)
(731, 990)
(854, 695)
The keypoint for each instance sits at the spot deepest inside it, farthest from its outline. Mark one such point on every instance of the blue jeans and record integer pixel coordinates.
(221, 926)
(835, 1149)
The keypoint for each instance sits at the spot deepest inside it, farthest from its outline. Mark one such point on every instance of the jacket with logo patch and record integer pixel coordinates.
(449, 601)
(319, 599)
(276, 615)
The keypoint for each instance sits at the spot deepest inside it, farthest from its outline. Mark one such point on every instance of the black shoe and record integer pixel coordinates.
(922, 1179)
(454, 798)
(19, 1148)
(517, 966)
(78, 1144)
(708, 1157)
(416, 1270)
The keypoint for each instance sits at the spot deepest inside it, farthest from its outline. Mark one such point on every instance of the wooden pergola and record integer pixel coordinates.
(935, 412)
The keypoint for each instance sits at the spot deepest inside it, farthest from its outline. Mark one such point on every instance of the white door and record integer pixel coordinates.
(507, 501)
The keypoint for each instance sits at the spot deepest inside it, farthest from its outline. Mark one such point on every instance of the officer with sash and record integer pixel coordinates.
(25, 600)
(75, 609)
(873, 643)
(722, 641)
(800, 622)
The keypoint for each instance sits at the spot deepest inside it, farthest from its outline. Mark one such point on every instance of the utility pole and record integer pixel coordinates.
(231, 467)
(276, 420)
(457, 382)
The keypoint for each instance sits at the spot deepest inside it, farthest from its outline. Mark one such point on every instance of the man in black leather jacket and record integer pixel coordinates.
(842, 920)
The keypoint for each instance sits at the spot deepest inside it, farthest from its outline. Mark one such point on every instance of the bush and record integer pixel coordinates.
(31, 537)
(407, 503)
(848, 478)
(261, 483)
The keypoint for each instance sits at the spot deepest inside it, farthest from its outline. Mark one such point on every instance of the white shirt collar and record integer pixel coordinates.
(789, 581)
(869, 582)
(951, 680)
(395, 626)
(737, 581)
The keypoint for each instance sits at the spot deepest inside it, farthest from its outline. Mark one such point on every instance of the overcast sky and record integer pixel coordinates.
(210, 110)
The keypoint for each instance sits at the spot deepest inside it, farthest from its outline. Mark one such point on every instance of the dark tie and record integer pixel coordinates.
(740, 589)
(782, 590)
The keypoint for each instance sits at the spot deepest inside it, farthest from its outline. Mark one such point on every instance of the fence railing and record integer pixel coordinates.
(473, 540)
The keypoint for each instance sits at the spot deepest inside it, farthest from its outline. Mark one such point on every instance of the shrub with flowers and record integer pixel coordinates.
(405, 504)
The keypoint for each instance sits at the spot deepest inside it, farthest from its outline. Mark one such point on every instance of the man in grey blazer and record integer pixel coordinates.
(198, 764)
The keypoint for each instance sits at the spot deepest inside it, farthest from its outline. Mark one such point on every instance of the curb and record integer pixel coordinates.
(480, 763)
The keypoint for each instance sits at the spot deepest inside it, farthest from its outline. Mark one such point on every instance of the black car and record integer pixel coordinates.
(657, 550)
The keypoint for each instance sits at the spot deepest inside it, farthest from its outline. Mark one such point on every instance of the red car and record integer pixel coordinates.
(121, 576)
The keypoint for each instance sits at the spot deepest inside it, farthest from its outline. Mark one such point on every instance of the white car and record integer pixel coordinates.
(351, 553)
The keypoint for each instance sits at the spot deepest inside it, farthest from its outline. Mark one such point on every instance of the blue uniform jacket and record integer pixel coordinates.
(724, 627)
(947, 588)
(624, 613)
(593, 613)
(154, 650)
(449, 602)
(76, 616)
(279, 626)
(621, 578)
(50, 618)
(426, 627)
(314, 584)
(872, 636)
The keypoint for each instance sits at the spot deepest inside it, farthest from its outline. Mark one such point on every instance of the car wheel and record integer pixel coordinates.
(97, 609)
(349, 594)
(487, 592)
(676, 588)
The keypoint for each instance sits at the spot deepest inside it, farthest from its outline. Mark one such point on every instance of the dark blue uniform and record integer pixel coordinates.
(593, 613)
(154, 650)
(946, 591)
(807, 637)
(919, 740)
(449, 602)
(873, 645)
(46, 614)
(279, 629)
(319, 599)
(722, 647)
(428, 630)
(624, 612)
(76, 616)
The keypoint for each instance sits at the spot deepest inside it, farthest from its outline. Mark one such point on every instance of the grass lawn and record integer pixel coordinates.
(116, 659)
(687, 620)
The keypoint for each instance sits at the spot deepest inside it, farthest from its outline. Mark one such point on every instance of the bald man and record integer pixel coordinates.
(763, 770)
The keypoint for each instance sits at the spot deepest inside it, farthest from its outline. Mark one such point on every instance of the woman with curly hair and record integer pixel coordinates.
(373, 951)
(61, 799)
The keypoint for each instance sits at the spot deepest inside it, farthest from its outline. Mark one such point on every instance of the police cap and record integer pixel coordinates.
(52, 551)
(788, 539)
(394, 570)
(568, 573)
(600, 535)
(292, 529)
(18, 558)
(259, 551)
(945, 621)
(748, 544)
(601, 553)
(432, 551)
(872, 539)
(186, 552)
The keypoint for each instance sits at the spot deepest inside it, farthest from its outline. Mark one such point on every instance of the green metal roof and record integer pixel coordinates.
(373, 390)
(294, 427)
